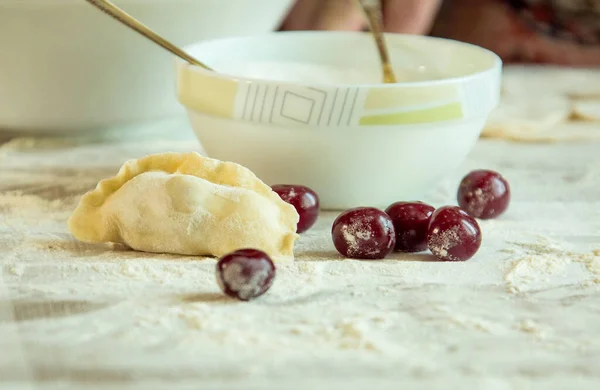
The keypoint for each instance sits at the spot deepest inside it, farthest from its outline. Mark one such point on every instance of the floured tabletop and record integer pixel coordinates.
(523, 313)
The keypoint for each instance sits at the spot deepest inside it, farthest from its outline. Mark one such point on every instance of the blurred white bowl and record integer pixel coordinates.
(65, 66)
(357, 143)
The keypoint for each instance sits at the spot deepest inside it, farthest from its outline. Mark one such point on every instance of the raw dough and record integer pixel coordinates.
(546, 104)
(526, 116)
(576, 131)
(185, 203)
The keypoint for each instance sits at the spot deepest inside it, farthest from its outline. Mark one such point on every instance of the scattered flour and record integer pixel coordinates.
(408, 319)
(442, 242)
(33, 144)
(541, 261)
(531, 269)
(533, 328)
(478, 199)
(16, 269)
(17, 203)
(357, 235)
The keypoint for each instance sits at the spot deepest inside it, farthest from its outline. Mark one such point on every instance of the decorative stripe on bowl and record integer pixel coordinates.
(283, 104)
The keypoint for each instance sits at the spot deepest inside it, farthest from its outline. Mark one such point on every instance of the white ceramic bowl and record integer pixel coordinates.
(65, 66)
(367, 144)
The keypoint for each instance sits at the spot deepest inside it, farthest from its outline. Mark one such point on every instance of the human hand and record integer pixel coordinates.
(555, 32)
(399, 16)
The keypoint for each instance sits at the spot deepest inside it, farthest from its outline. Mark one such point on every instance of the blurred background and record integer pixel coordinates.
(64, 66)
(565, 32)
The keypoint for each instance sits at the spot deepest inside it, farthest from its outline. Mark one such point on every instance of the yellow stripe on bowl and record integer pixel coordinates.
(445, 112)
(382, 98)
(210, 95)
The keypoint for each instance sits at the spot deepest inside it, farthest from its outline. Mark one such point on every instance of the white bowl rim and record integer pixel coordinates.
(496, 64)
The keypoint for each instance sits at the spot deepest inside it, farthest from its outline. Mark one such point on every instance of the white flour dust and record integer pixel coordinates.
(522, 312)
(441, 242)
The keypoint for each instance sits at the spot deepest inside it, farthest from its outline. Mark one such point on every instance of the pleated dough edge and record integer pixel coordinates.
(84, 223)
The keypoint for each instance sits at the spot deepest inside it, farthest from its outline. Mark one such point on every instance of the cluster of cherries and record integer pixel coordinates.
(451, 233)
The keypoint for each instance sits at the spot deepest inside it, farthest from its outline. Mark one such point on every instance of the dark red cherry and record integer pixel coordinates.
(363, 233)
(245, 274)
(453, 235)
(411, 220)
(484, 194)
(305, 200)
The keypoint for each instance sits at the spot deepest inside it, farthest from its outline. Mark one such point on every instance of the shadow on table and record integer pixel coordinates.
(333, 256)
(23, 310)
(205, 297)
(85, 251)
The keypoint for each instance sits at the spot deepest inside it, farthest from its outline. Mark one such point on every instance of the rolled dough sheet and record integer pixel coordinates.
(546, 104)
(526, 115)
(563, 132)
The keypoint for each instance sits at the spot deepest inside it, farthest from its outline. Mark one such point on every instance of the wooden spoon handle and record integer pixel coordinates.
(128, 20)
(372, 9)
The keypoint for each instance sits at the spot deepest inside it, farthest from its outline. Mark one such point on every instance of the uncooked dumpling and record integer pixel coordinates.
(185, 203)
